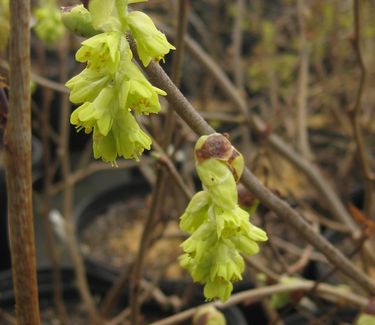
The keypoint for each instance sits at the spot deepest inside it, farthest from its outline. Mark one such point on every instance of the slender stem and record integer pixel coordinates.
(135, 285)
(326, 291)
(95, 167)
(354, 114)
(44, 117)
(237, 42)
(113, 294)
(334, 268)
(183, 11)
(17, 154)
(41, 80)
(63, 151)
(237, 46)
(8, 318)
(303, 80)
(168, 163)
(3, 108)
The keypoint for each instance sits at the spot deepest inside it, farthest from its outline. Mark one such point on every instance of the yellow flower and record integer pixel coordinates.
(151, 43)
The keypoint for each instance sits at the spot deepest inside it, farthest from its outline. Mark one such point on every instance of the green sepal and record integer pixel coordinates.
(196, 212)
(220, 288)
(79, 21)
(151, 43)
(137, 92)
(131, 140)
(104, 147)
(101, 52)
(86, 86)
(218, 180)
(101, 11)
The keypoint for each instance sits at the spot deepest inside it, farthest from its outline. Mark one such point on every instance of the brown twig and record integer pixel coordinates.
(40, 80)
(95, 167)
(17, 154)
(63, 153)
(302, 261)
(116, 290)
(44, 117)
(135, 287)
(334, 269)
(167, 162)
(295, 250)
(354, 115)
(237, 46)
(182, 19)
(303, 80)
(326, 291)
(237, 39)
(10, 319)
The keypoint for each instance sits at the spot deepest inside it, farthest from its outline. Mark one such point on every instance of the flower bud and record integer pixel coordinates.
(196, 212)
(49, 26)
(218, 147)
(101, 52)
(78, 20)
(151, 43)
(101, 11)
(208, 315)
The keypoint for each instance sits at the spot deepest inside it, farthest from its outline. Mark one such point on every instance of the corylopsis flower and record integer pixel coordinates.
(151, 43)
(220, 230)
(101, 52)
(111, 87)
(48, 26)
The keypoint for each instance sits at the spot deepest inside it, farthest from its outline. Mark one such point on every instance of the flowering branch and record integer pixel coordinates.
(111, 89)
(191, 117)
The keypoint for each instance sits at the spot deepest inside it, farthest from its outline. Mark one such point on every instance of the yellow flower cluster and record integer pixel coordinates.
(111, 87)
(220, 230)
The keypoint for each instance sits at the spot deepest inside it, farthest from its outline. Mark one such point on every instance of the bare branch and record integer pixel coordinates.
(17, 152)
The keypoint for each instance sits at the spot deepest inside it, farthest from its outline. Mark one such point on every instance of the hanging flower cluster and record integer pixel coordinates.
(220, 230)
(48, 25)
(111, 87)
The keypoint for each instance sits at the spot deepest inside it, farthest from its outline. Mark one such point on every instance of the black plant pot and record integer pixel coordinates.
(93, 207)
(98, 287)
